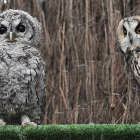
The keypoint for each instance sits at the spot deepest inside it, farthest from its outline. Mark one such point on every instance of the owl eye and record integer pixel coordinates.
(3, 29)
(21, 28)
(138, 30)
(124, 33)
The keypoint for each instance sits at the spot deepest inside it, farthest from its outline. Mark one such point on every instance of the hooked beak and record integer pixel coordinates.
(11, 36)
(130, 37)
(131, 40)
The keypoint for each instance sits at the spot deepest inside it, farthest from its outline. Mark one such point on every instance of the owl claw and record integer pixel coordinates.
(2, 123)
(29, 124)
(26, 121)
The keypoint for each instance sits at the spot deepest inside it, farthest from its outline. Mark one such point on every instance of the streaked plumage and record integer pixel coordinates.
(128, 36)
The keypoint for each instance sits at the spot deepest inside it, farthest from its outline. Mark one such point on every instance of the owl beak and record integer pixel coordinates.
(131, 40)
(130, 37)
(11, 36)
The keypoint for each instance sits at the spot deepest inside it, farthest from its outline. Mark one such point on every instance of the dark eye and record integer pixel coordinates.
(3, 29)
(138, 30)
(21, 28)
(124, 33)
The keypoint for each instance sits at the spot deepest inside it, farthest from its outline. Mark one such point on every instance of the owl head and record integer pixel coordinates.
(128, 34)
(19, 26)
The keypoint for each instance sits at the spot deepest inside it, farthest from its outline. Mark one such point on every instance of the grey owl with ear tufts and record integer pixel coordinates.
(128, 37)
(22, 70)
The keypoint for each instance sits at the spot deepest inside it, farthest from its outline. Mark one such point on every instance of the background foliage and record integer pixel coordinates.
(86, 77)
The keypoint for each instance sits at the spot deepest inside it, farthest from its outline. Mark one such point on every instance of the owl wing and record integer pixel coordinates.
(38, 80)
(41, 85)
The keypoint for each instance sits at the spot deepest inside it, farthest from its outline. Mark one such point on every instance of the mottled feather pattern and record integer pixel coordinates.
(129, 43)
(22, 70)
(22, 78)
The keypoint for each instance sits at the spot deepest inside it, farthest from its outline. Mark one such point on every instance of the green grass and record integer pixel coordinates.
(72, 132)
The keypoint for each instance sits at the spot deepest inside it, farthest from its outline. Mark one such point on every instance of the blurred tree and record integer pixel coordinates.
(86, 76)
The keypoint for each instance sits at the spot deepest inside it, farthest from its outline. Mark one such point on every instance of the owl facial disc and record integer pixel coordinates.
(128, 34)
(18, 26)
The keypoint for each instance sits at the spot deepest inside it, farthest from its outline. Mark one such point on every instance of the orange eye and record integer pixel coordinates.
(138, 30)
(124, 33)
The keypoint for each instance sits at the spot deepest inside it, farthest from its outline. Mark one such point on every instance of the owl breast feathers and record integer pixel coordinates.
(22, 70)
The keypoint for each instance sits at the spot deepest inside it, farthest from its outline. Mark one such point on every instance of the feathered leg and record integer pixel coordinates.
(2, 122)
(26, 121)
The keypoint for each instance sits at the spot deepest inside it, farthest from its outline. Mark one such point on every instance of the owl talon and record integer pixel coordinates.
(2, 123)
(28, 124)
(26, 121)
